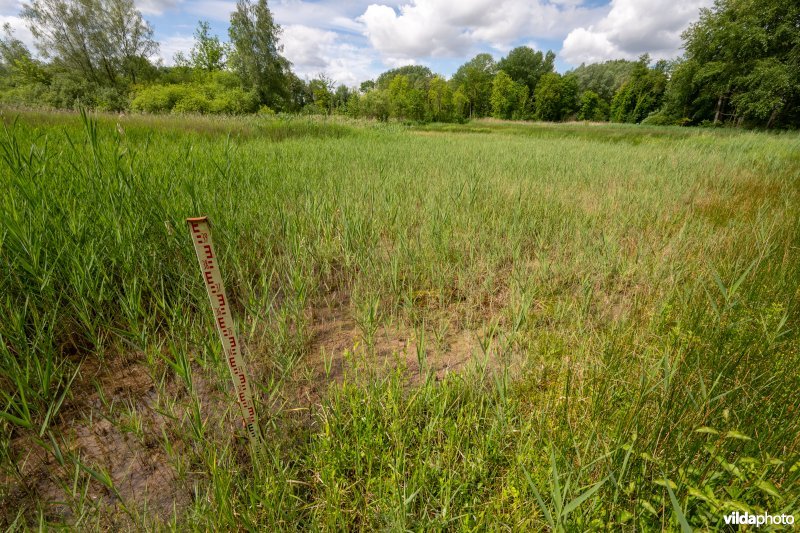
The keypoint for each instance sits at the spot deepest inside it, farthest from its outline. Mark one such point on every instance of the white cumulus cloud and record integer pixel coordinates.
(632, 28)
(169, 46)
(307, 47)
(314, 51)
(325, 14)
(19, 30)
(156, 7)
(442, 28)
(219, 10)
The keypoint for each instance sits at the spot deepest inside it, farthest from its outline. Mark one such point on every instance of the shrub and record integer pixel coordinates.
(65, 92)
(193, 101)
(234, 102)
(110, 99)
(216, 98)
(660, 119)
(157, 98)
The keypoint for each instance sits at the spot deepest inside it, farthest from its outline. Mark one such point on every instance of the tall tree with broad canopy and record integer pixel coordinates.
(418, 76)
(105, 41)
(399, 92)
(592, 107)
(548, 97)
(605, 78)
(440, 99)
(642, 94)
(556, 97)
(509, 98)
(526, 66)
(256, 53)
(744, 55)
(474, 78)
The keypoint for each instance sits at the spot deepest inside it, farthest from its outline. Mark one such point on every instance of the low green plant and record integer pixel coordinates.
(606, 317)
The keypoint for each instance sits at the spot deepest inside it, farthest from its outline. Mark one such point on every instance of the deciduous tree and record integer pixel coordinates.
(592, 107)
(256, 52)
(745, 56)
(440, 99)
(509, 98)
(548, 99)
(208, 53)
(642, 94)
(526, 66)
(474, 79)
(104, 41)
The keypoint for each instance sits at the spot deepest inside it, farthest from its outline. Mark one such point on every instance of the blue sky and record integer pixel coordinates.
(354, 40)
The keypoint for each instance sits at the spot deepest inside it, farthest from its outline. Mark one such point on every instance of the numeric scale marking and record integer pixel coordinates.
(200, 231)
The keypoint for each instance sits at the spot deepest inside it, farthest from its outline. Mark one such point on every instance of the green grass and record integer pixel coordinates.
(629, 296)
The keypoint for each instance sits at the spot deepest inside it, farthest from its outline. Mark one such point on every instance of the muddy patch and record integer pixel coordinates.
(341, 349)
(120, 449)
(108, 452)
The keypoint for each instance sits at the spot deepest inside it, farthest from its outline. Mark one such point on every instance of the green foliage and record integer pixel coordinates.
(398, 93)
(12, 50)
(766, 90)
(321, 94)
(403, 100)
(680, 98)
(299, 94)
(641, 95)
(742, 64)
(555, 97)
(375, 104)
(440, 100)
(418, 104)
(527, 66)
(417, 76)
(592, 107)
(256, 52)
(509, 98)
(17, 66)
(520, 343)
(28, 71)
(106, 42)
(208, 53)
(28, 81)
(474, 79)
(604, 79)
(341, 98)
(158, 98)
(570, 96)
(460, 104)
(198, 97)
(662, 118)
(66, 92)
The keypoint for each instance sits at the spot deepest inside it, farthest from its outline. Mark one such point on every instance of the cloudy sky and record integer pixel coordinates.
(354, 40)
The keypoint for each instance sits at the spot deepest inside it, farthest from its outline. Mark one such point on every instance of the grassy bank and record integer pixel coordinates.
(460, 327)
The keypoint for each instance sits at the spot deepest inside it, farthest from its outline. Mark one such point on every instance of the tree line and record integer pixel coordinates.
(741, 66)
